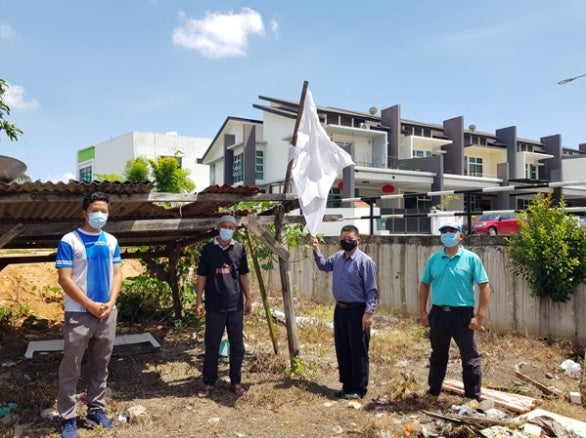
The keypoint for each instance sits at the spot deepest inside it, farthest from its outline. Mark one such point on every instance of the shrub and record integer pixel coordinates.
(549, 251)
(143, 298)
(6, 315)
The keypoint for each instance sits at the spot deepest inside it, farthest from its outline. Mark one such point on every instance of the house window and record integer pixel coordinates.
(259, 165)
(523, 204)
(85, 174)
(213, 174)
(418, 202)
(530, 171)
(420, 154)
(237, 171)
(473, 166)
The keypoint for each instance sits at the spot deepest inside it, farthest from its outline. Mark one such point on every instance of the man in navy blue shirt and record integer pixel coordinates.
(223, 276)
(356, 293)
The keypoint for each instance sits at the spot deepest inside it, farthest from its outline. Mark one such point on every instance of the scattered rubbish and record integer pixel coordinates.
(214, 420)
(547, 390)
(575, 397)
(138, 414)
(511, 402)
(338, 429)
(7, 408)
(532, 429)
(329, 404)
(385, 319)
(224, 348)
(49, 414)
(571, 368)
(121, 418)
(301, 320)
(354, 404)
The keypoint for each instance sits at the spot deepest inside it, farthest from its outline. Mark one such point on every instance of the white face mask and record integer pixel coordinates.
(97, 219)
(226, 234)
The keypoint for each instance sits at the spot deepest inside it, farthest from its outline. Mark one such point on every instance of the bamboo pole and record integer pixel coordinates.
(263, 293)
(284, 270)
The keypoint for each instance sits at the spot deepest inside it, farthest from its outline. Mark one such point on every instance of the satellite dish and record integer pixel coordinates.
(372, 110)
(10, 168)
(472, 128)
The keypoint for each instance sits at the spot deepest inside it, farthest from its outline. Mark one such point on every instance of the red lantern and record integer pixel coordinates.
(388, 189)
(341, 186)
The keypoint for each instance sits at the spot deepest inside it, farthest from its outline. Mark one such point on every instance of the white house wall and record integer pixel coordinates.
(111, 156)
(277, 132)
(573, 168)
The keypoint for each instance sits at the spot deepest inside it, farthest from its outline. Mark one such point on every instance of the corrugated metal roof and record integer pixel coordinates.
(48, 210)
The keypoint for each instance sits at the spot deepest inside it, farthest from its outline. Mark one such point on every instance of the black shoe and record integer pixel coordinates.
(352, 396)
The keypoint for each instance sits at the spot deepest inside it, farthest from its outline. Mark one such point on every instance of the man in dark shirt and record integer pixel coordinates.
(223, 275)
(356, 294)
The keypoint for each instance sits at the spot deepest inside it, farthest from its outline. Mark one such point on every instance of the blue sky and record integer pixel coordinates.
(82, 72)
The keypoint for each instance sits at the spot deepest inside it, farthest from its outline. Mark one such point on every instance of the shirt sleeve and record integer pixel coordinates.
(322, 263)
(426, 277)
(202, 267)
(370, 287)
(116, 258)
(243, 268)
(64, 255)
(480, 275)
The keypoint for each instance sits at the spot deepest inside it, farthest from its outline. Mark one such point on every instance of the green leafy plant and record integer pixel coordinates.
(550, 250)
(143, 298)
(9, 129)
(6, 315)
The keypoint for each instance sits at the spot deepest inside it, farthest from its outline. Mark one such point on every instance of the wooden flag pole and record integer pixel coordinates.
(284, 270)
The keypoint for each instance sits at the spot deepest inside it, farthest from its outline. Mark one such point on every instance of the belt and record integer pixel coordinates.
(344, 305)
(451, 308)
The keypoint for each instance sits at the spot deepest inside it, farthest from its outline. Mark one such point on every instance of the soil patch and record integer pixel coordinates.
(165, 382)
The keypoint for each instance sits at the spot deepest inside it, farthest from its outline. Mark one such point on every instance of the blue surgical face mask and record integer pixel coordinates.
(97, 219)
(226, 234)
(449, 240)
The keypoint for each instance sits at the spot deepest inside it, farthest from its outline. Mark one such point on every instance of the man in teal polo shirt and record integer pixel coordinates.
(451, 274)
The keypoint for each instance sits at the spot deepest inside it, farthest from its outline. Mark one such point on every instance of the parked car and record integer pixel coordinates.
(493, 224)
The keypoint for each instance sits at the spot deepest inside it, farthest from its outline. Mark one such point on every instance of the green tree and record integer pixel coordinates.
(137, 170)
(549, 251)
(110, 177)
(9, 129)
(170, 177)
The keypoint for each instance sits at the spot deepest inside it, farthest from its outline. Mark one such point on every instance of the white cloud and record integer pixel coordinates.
(274, 26)
(60, 178)
(220, 35)
(14, 98)
(6, 31)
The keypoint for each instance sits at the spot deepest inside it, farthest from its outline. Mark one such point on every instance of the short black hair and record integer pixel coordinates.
(93, 197)
(350, 229)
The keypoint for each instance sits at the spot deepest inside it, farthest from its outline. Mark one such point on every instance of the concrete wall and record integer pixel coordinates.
(400, 261)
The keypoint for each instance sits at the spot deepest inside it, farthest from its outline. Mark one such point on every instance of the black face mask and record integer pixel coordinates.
(348, 245)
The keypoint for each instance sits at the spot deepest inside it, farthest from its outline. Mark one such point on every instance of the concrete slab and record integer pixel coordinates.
(120, 341)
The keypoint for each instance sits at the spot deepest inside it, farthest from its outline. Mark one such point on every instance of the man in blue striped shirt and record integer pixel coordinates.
(89, 271)
(356, 293)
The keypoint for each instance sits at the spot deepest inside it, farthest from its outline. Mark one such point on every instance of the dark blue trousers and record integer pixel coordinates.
(351, 349)
(215, 324)
(443, 327)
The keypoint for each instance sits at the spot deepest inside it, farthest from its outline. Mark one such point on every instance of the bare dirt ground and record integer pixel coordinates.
(278, 404)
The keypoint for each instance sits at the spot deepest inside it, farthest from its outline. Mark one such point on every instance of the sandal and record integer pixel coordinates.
(205, 391)
(238, 389)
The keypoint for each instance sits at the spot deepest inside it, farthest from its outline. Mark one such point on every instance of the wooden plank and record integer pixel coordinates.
(514, 402)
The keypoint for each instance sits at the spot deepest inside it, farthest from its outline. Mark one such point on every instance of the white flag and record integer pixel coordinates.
(317, 161)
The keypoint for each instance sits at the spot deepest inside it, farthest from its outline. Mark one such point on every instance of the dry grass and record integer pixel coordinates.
(279, 402)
